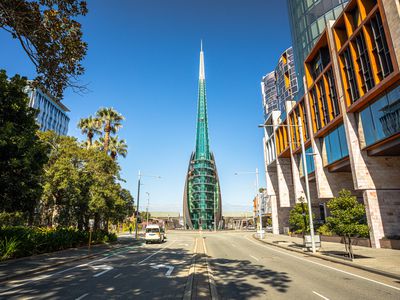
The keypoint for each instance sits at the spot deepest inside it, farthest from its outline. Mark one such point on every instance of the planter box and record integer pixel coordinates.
(390, 244)
(364, 242)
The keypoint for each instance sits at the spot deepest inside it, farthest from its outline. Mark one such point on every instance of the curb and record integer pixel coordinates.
(335, 260)
(42, 268)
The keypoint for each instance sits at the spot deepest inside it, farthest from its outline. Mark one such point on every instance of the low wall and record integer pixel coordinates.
(364, 242)
(390, 244)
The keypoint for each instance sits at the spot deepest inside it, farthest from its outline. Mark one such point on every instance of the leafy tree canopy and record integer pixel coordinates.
(299, 219)
(347, 216)
(50, 36)
(22, 154)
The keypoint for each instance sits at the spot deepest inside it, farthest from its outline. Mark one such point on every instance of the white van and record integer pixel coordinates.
(154, 234)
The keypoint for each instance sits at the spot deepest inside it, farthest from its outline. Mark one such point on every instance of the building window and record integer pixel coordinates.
(317, 119)
(336, 145)
(320, 61)
(350, 76)
(364, 62)
(332, 93)
(381, 119)
(381, 46)
(310, 160)
(323, 102)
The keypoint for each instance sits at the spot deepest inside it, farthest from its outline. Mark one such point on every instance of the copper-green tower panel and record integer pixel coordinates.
(202, 195)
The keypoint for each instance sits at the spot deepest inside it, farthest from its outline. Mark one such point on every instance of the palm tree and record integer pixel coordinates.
(117, 147)
(89, 126)
(111, 120)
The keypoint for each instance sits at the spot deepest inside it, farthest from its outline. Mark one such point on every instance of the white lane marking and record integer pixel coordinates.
(205, 248)
(254, 257)
(38, 278)
(155, 253)
(116, 276)
(323, 297)
(170, 269)
(81, 297)
(195, 246)
(325, 266)
(105, 269)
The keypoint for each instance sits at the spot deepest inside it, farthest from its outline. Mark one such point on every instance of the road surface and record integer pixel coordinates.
(239, 266)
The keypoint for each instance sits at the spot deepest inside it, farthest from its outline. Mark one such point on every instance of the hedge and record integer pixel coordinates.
(26, 241)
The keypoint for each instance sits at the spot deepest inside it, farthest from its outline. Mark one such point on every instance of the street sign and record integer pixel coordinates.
(91, 223)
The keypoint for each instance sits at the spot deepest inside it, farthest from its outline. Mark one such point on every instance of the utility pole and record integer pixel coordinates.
(147, 209)
(303, 151)
(137, 208)
(259, 205)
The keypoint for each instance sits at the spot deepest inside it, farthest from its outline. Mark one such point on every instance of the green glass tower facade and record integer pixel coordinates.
(202, 194)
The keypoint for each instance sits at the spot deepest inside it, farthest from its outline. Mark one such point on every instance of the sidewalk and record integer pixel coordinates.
(48, 261)
(384, 261)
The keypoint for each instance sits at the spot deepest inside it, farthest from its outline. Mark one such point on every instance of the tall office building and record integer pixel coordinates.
(268, 91)
(350, 114)
(52, 114)
(202, 194)
(285, 80)
(308, 18)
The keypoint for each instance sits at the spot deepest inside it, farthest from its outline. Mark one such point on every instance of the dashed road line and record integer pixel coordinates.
(83, 296)
(323, 297)
(254, 257)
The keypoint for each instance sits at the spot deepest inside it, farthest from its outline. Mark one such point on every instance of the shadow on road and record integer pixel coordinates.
(242, 279)
(132, 277)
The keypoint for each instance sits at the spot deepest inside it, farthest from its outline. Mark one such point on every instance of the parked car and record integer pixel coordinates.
(154, 233)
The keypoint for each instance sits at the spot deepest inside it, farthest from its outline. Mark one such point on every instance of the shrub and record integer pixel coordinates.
(324, 230)
(299, 219)
(8, 247)
(36, 240)
(11, 219)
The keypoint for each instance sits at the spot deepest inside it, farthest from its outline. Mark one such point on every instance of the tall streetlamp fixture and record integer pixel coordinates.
(258, 199)
(303, 150)
(140, 175)
(147, 209)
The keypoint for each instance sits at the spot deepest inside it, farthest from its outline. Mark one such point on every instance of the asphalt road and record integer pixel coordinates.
(242, 269)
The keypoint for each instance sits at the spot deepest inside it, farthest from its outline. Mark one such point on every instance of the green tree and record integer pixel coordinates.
(50, 36)
(347, 218)
(116, 147)
(299, 219)
(89, 126)
(63, 198)
(22, 154)
(111, 121)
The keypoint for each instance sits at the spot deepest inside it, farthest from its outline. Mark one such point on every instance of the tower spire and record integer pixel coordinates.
(202, 72)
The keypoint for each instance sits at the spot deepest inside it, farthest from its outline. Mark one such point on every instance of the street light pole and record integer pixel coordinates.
(259, 205)
(147, 209)
(137, 209)
(303, 150)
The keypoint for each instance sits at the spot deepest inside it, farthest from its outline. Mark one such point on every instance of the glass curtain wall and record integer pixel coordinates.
(308, 18)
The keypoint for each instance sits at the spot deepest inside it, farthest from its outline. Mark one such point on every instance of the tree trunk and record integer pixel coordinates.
(90, 139)
(96, 221)
(107, 130)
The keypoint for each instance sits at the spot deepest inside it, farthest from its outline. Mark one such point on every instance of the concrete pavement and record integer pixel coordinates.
(241, 268)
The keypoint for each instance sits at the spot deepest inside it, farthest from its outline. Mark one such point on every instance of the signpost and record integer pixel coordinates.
(91, 225)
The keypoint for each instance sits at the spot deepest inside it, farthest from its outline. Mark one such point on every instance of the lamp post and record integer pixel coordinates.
(257, 199)
(303, 150)
(140, 175)
(147, 209)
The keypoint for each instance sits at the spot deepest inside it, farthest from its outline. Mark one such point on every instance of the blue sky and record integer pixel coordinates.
(143, 60)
